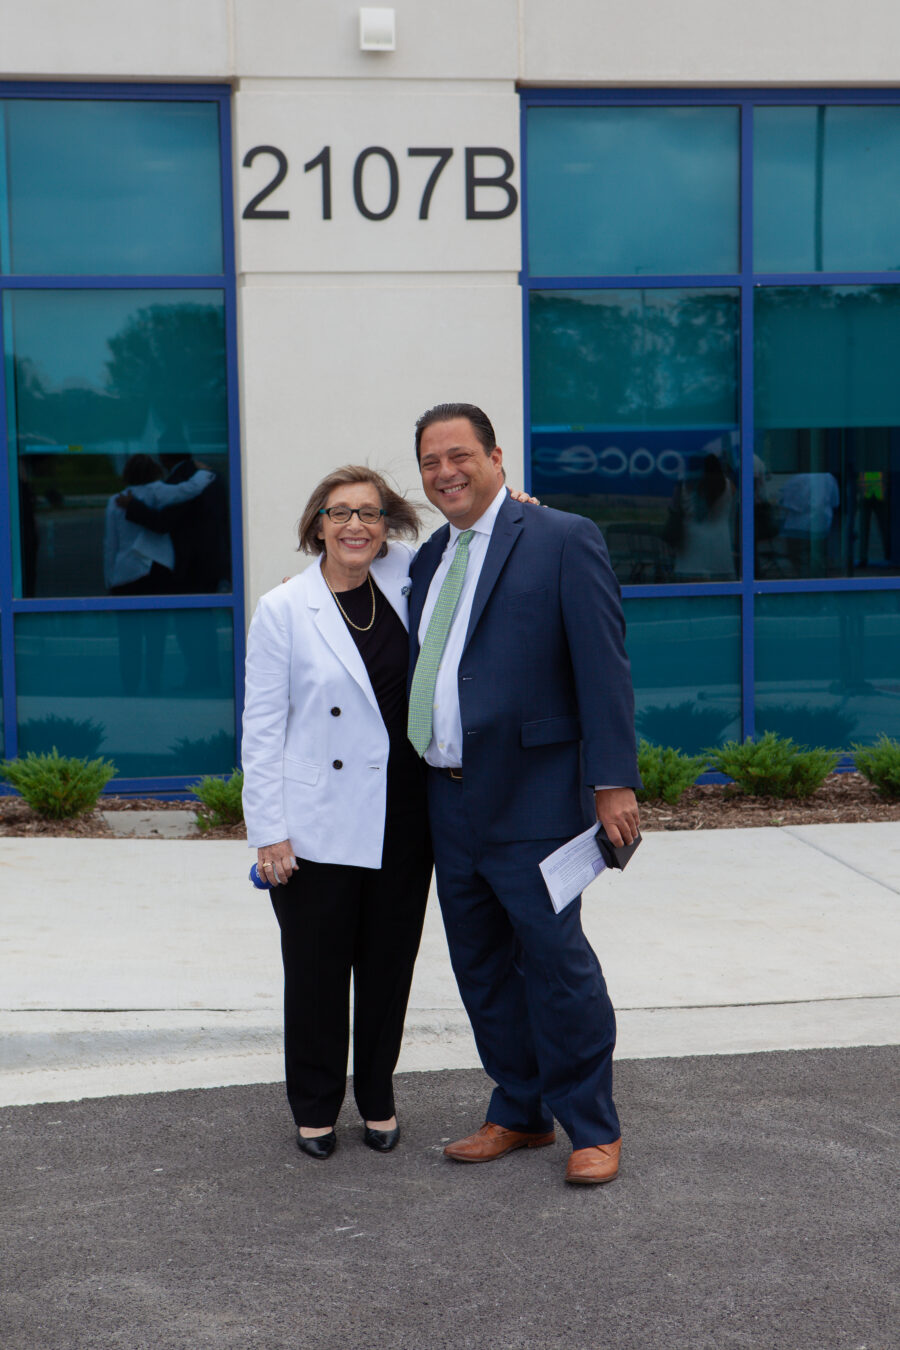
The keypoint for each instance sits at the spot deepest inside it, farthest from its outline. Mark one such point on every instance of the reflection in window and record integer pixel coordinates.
(634, 411)
(108, 391)
(632, 191)
(686, 666)
(152, 690)
(113, 186)
(827, 194)
(826, 666)
(827, 461)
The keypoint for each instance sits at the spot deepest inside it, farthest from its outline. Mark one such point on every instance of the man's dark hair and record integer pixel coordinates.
(448, 412)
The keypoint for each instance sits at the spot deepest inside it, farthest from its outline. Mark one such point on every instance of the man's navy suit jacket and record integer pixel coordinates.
(544, 682)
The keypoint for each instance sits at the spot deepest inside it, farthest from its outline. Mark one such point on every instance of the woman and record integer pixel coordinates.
(334, 800)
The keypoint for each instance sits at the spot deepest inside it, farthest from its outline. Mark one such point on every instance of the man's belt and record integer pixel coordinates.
(455, 775)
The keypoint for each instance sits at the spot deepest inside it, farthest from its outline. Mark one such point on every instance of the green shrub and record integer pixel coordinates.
(220, 800)
(57, 787)
(666, 772)
(773, 766)
(880, 763)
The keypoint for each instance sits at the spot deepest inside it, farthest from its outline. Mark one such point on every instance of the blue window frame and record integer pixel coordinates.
(813, 350)
(137, 287)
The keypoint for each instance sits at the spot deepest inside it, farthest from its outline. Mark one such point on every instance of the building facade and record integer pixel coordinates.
(241, 244)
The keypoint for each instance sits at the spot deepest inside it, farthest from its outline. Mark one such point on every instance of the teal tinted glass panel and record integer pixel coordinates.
(686, 666)
(632, 191)
(827, 461)
(826, 195)
(152, 690)
(634, 423)
(111, 187)
(108, 390)
(828, 666)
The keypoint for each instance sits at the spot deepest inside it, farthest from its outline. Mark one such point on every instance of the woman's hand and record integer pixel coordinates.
(518, 495)
(276, 862)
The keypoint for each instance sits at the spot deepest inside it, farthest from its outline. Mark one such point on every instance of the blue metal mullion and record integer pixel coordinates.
(526, 294)
(809, 585)
(7, 632)
(232, 375)
(708, 97)
(80, 604)
(747, 438)
(123, 93)
(675, 589)
(214, 282)
(710, 281)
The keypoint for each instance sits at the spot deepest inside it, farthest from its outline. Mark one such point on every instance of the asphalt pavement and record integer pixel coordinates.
(756, 1207)
(151, 1193)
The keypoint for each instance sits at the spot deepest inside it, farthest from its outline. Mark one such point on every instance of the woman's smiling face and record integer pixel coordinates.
(354, 544)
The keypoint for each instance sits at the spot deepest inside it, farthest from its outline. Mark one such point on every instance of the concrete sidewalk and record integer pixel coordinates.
(141, 965)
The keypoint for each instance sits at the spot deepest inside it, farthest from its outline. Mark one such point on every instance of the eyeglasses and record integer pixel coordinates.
(339, 515)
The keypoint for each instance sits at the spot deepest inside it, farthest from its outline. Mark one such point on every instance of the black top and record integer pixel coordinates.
(384, 649)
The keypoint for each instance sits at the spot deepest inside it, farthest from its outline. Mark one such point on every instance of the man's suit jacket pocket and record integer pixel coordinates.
(550, 730)
(525, 602)
(300, 770)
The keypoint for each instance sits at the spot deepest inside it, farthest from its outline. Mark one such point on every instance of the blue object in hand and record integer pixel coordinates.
(258, 881)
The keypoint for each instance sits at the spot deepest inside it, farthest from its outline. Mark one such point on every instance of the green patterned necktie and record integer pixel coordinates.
(421, 694)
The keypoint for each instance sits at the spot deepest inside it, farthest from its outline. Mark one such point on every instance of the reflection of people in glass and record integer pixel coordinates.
(703, 545)
(808, 503)
(137, 561)
(198, 527)
(199, 532)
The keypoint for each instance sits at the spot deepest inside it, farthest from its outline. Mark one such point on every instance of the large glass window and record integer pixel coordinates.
(113, 392)
(827, 461)
(120, 619)
(635, 423)
(644, 191)
(826, 192)
(110, 188)
(732, 424)
(826, 666)
(152, 690)
(686, 666)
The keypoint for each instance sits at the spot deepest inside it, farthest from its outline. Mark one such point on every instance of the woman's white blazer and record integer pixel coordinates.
(315, 748)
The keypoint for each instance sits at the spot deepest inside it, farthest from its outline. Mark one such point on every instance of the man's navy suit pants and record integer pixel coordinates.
(530, 980)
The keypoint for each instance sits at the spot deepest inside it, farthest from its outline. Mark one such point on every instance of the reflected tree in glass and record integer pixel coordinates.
(97, 379)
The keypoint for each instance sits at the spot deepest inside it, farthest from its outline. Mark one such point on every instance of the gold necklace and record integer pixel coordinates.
(344, 612)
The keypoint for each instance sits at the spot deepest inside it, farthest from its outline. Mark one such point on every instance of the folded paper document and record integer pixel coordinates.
(570, 868)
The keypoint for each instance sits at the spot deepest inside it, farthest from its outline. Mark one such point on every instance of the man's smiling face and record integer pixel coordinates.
(459, 477)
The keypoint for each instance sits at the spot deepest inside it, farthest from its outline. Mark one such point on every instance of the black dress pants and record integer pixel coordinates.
(336, 920)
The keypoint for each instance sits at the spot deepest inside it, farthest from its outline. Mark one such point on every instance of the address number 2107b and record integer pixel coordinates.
(487, 167)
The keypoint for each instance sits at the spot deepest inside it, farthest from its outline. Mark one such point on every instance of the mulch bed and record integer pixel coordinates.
(844, 797)
(17, 820)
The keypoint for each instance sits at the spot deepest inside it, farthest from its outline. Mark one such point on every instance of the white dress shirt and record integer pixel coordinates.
(445, 748)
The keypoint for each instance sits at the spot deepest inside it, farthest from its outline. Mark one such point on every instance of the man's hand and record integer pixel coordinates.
(617, 812)
(276, 862)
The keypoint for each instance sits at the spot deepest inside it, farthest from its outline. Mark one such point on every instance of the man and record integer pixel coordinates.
(521, 702)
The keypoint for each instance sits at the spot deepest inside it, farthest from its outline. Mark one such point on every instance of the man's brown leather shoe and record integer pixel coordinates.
(492, 1141)
(591, 1166)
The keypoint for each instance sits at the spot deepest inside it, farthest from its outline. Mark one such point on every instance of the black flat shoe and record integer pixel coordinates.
(381, 1140)
(320, 1146)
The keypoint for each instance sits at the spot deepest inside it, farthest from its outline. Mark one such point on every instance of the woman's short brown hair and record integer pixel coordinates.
(401, 518)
